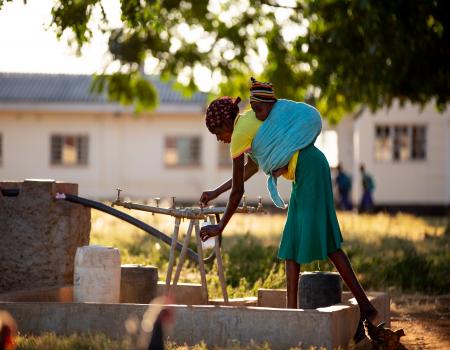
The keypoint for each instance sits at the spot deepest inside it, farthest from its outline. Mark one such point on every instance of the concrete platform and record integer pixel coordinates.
(217, 325)
(186, 294)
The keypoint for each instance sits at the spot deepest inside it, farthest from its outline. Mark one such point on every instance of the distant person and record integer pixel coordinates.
(368, 185)
(344, 186)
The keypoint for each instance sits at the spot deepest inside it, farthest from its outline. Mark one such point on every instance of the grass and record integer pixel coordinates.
(50, 341)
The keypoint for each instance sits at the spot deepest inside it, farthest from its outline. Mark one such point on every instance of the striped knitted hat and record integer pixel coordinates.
(261, 92)
(221, 109)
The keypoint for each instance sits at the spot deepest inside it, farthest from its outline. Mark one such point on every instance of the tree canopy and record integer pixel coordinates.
(336, 54)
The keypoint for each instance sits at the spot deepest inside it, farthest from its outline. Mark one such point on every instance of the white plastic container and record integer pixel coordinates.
(210, 242)
(97, 275)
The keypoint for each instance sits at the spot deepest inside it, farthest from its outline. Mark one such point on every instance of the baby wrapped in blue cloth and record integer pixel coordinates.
(289, 127)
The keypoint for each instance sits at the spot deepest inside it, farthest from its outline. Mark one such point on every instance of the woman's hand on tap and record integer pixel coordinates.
(206, 197)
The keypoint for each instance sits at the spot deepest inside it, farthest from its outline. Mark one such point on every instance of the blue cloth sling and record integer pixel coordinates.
(289, 127)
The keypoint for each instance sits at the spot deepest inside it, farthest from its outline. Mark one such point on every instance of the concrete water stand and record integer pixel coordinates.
(51, 310)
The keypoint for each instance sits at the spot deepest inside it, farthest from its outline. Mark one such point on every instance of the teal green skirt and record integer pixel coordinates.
(312, 230)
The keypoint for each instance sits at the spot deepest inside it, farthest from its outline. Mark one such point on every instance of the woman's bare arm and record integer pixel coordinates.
(237, 190)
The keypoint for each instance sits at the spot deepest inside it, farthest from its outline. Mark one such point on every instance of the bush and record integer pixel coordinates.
(248, 258)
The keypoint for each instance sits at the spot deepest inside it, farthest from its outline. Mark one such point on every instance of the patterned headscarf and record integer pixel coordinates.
(221, 109)
(261, 92)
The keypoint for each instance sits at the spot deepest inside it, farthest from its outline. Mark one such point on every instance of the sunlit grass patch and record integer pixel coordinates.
(268, 227)
(372, 227)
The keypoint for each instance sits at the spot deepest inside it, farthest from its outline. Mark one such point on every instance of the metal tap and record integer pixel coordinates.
(173, 202)
(117, 201)
(244, 202)
(157, 199)
(260, 205)
(201, 207)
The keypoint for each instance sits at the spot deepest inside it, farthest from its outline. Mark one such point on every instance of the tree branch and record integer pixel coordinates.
(272, 4)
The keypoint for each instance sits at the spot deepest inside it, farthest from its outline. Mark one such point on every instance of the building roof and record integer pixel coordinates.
(67, 88)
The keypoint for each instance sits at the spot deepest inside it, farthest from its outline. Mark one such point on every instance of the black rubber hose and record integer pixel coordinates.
(131, 220)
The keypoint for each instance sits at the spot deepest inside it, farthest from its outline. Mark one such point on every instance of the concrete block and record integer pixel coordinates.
(272, 298)
(138, 284)
(39, 235)
(185, 293)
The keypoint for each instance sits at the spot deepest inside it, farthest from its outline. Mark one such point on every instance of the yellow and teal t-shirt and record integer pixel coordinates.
(246, 126)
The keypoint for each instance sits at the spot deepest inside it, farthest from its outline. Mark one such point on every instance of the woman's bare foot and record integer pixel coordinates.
(360, 333)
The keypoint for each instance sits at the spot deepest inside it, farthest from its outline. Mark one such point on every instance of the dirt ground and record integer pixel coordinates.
(425, 320)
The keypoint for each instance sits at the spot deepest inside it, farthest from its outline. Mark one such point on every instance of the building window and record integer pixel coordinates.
(400, 143)
(182, 151)
(224, 155)
(383, 143)
(69, 150)
(418, 142)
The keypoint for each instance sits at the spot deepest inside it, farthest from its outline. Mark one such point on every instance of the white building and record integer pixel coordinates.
(52, 127)
(406, 150)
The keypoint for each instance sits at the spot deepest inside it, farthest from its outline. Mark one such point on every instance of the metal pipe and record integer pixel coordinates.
(131, 220)
(185, 213)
